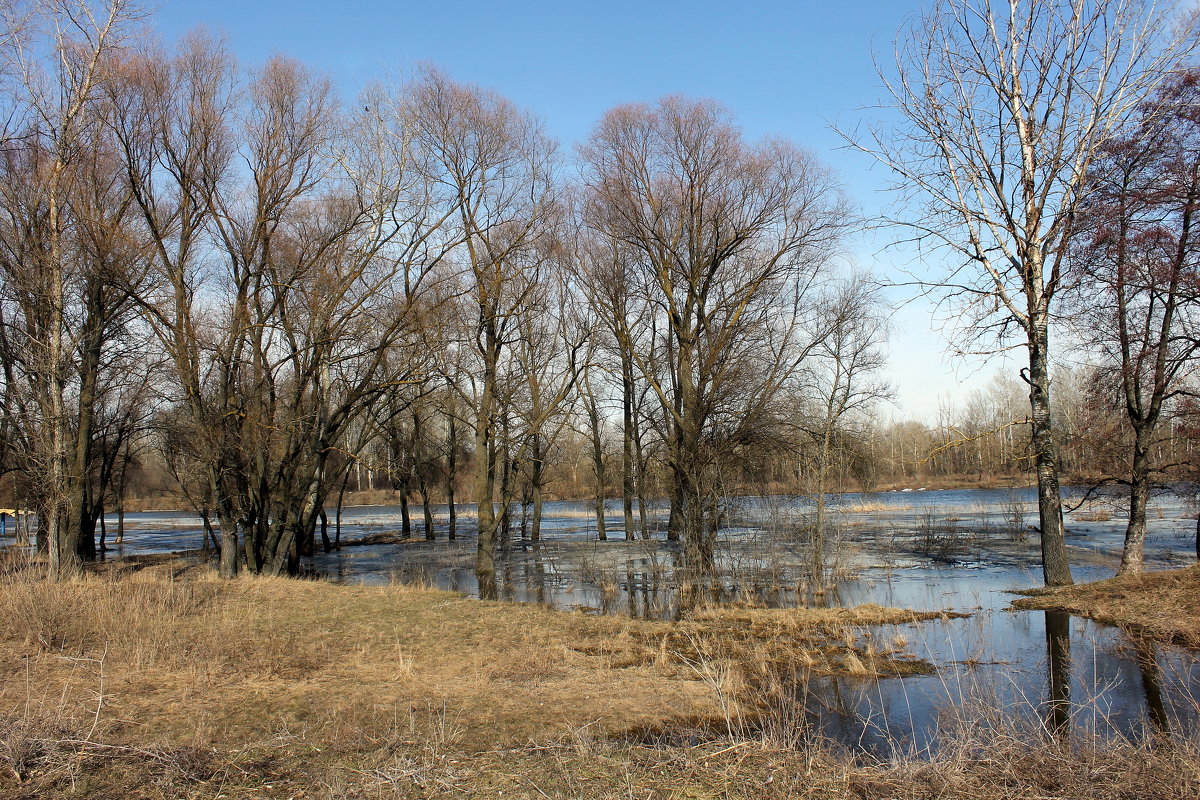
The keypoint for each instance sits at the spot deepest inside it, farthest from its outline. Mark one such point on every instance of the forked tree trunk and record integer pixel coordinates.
(643, 511)
(337, 519)
(422, 478)
(506, 477)
(485, 491)
(537, 477)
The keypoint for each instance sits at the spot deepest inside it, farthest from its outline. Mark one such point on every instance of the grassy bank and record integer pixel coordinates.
(167, 683)
(1164, 605)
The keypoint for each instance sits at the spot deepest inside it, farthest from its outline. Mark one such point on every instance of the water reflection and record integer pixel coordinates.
(488, 587)
(1058, 649)
(1151, 675)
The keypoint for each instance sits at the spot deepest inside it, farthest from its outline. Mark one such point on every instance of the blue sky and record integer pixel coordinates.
(784, 68)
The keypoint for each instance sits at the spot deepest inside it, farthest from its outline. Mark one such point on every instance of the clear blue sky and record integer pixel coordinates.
(784, 68)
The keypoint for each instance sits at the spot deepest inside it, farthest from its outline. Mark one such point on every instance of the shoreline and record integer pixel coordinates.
(385, 498)
(1162, 605)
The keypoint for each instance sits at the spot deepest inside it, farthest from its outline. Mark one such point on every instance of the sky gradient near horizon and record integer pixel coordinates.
(790, 69)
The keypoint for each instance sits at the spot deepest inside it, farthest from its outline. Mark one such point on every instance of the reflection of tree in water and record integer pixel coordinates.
(1058, 647)
(487, 586)
(535, 576)
(1147, 661)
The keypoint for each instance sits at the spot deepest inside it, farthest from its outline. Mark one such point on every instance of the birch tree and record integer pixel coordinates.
(1002, 107)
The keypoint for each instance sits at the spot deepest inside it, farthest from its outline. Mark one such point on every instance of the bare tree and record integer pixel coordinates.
(844, 382)
(552, 345)
(1138, 279)
(1003, 108)
(57, 55)
(595, 434)
(291, 291)
(607, 278)
(497, 163)
(726, 239)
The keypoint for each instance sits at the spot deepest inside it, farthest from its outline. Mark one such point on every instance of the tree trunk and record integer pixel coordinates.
(229, 547)
(643, 511)
(675, 518)
(451, 465)
(210, 538)
(1056, 568)
(485, 492)
(597, 466)
(506, 476)
(1058, 646)
(405, 517)
(536, 478)
(698, 515)
(1134, 553)
(101, 547)
(627, 454)
(42, 534)
(420, 472)
(120, 512)
(337, 520)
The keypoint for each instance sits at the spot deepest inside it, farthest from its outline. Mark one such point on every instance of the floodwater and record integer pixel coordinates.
(959, 550)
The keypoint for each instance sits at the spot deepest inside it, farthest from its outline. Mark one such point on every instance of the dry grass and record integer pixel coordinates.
(822, 640)
(870, 507)
(982, 752)
(1163, 605)
(170, 684)
(170, 659)
(1093, 515)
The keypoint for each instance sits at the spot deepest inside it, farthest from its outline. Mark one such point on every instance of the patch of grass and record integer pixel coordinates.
(1163, 605)
(870, 507)
(170, 657)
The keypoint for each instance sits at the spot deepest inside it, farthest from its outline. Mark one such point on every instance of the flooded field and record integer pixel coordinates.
(962, 551)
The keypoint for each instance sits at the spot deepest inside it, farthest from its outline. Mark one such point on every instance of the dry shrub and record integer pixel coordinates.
(765, 642)
(43, 757)
(36, 745)
(532, 666)
(151, 620)
(981, 750)
(870, 507)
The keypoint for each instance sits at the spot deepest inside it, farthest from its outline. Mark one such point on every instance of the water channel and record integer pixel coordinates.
(960, 550)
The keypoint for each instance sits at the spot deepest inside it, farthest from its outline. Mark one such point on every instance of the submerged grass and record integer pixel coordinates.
(170, 684)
